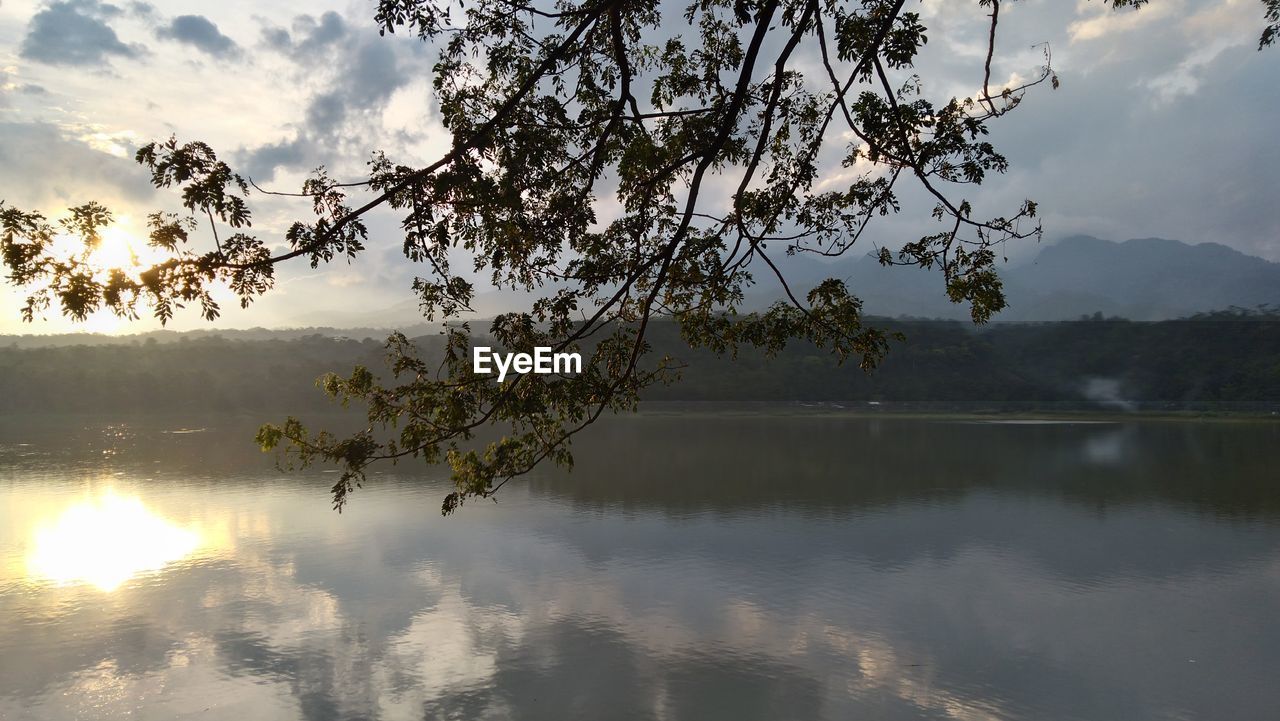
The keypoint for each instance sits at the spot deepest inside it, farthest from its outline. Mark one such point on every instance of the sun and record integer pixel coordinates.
(121, 248)
(116, 250)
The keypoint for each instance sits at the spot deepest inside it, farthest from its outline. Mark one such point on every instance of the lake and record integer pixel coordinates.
(693, 566)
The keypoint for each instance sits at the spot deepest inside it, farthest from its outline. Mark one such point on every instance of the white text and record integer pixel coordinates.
(541, 361)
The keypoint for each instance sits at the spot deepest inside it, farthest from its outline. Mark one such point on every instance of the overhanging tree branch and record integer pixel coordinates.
(587, 161)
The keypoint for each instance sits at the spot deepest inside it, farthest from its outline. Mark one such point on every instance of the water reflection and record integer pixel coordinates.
(106, 540)
(691, 568)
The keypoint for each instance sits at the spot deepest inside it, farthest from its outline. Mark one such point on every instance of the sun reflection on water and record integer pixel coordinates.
(106, 540)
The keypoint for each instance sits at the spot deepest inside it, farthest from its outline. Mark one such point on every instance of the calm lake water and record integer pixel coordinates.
(692, 567)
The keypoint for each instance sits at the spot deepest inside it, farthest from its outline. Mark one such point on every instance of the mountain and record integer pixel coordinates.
(1140, 279)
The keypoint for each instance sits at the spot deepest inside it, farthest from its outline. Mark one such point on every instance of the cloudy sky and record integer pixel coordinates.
(1163, 125)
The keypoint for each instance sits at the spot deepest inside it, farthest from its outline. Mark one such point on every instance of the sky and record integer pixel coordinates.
(1163, 124)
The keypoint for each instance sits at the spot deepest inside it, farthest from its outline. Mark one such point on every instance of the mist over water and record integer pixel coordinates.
(692, 566)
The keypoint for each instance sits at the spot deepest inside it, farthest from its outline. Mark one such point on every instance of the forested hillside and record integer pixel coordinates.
(1231, 358)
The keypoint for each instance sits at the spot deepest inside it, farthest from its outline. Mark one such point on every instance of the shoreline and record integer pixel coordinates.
(1019, 414)
(952, 412)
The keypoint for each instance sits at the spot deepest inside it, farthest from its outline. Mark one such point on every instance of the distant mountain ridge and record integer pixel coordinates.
(1139, 279)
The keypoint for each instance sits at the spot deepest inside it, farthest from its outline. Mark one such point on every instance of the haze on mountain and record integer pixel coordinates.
(1138, 279)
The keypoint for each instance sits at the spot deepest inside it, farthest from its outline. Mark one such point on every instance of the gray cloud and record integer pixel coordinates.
(318, 34)
(1111, 155)
(308, 35)
(142, 9)
(1157, 130)
(374, 74)
(72, 172)
(276, 38)
(200, 33)
(76, 32)
(326, 112)
(368, 72)
(261, 162)
(28, 89)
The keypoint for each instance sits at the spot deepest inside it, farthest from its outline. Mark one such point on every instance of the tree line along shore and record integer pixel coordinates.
(1231, 359)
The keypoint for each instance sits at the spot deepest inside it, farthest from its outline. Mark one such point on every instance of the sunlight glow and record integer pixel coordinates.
(118, 248)
(115, 251)
(105, 541)
(103, 322)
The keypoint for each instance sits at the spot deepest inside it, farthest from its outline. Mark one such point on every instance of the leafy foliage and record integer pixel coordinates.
(1272, 30)
(557, 111)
